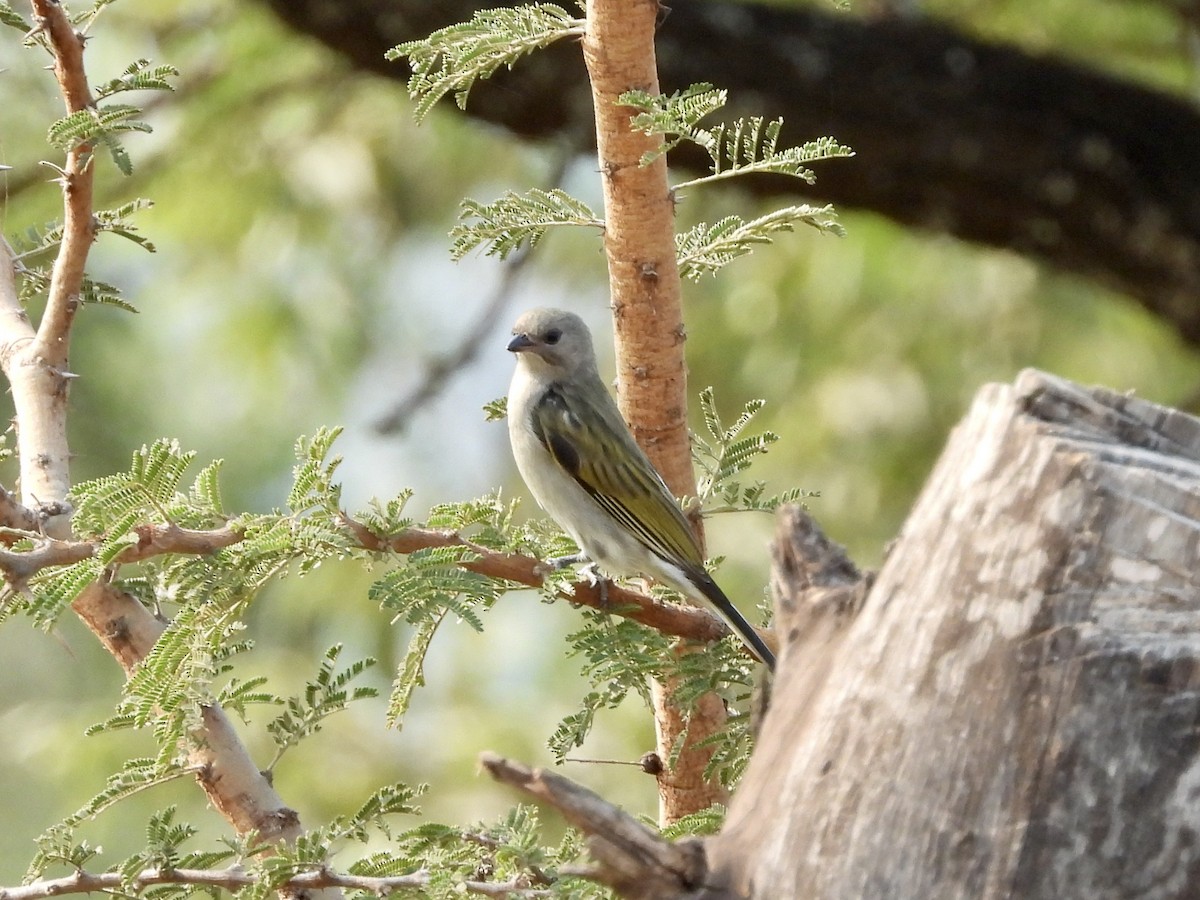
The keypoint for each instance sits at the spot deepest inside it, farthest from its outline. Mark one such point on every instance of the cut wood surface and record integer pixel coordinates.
(1014, 711)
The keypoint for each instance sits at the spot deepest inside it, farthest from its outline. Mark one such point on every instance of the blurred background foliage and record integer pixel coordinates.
(302, 279)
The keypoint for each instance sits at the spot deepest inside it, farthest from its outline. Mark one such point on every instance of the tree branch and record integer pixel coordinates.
(677, 619)
(231, 879)
(632, 858)
(15, 333)
(681, 620)
(79, 225)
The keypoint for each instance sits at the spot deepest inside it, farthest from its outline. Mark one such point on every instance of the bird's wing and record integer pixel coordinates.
(598, 451)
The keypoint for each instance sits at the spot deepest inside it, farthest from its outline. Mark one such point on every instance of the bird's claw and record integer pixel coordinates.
(592, 573)
(555, 563)
(558, 563)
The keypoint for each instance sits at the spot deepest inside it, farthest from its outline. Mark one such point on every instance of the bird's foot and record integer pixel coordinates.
(554, 563)
(592, 573)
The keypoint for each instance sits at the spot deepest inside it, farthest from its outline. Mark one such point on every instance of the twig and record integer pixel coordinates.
(675, 619)
(438, 372)
(680, 620)
(235, 878)
(231, 879)
(14, 514)
(79, 225)
(632, 858)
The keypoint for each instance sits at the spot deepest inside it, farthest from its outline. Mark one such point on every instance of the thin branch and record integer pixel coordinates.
(18, 566)
(231, 879)
(235, 878)
(439, 372)
(676, 619)
(79, 226)
(632, 858)
(680, 620)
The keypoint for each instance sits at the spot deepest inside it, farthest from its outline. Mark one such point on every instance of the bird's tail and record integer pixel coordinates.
(734, 619)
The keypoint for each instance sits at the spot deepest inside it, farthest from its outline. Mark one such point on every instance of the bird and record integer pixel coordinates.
(584, 468)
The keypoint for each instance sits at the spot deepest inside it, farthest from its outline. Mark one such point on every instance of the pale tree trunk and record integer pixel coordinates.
(1010, 709)
(1014, 712)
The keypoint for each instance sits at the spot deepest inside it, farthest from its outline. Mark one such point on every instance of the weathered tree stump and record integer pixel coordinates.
(1012, 711)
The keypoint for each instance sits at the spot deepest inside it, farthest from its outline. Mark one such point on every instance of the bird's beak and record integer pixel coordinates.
(519, 342)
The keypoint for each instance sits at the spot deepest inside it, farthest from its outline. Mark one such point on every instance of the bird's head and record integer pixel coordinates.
(553, 341)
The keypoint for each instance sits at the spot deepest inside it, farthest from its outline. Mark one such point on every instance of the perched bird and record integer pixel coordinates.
(584, 468)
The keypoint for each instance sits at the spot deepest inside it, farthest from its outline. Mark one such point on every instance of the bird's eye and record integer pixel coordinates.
(553, 335)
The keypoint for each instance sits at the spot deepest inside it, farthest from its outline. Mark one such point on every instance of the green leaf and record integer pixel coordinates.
(495, 410)
(453, 58)
(13, 19)
(139, 76)
(411, 673)
(325, 695)
(57, 846)
(135, 775)
(99, 125)
(673, 116)
(750, 146)
(705, 249)
(313, 486)
(516, 219)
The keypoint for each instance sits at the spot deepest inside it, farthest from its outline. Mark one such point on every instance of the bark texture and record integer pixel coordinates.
(643, 275)
(983, 141)
(1014, 711)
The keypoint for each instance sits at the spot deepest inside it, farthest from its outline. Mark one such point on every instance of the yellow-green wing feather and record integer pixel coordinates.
(586, 435)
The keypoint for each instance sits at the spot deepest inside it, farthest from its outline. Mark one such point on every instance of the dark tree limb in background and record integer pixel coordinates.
(1082, 171)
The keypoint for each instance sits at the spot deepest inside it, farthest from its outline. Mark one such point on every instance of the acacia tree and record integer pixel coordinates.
(163, 574)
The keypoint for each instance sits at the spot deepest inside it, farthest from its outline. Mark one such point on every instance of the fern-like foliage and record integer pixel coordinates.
(135, 776)
(452, 59)
(741, 147)
(99, 125)
(704, 822)
(705, 249)
(57, 847)
(84, 18)
(313, 484)
(140, 75)
(728, 451)
(164, 851)
(751, 146)
(504, 225)
(495, 410)
(103, 124)
(13, 19)
(429, 586)
(620, 657)
(107, 509)
(38, 245)
(314, 849)
(508, 850)
(325, 695)
(674, 117)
